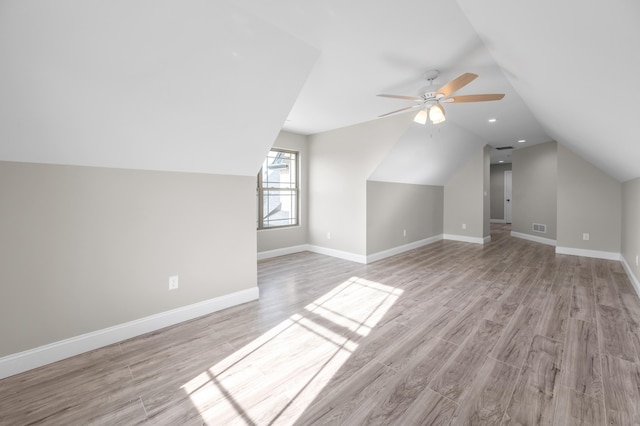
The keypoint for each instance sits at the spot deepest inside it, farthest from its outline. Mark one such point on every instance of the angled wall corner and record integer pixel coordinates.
(341, 161)
(589, 201)
(402, 215)
(554, 186)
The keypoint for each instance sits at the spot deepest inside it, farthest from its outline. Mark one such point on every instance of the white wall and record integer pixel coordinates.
(589, 201)
(88, 248)
(535, 187)
(395, 207)
(341, 161)
(278, 238)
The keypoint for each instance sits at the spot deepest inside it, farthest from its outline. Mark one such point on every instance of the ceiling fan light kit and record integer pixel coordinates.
(430, 100)
(436, 114)
(421, 117)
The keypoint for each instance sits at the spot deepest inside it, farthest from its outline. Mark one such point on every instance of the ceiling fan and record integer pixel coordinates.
(430, 99)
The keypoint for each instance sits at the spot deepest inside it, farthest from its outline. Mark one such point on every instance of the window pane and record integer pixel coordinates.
(280, 171)
(279, 190)
(279, 207)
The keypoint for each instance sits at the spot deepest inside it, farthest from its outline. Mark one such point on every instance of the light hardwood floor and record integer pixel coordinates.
(452, 333)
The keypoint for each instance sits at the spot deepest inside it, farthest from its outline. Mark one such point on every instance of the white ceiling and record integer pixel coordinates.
(428, 156)
(197, 85)
(191, 86)
(576, 65)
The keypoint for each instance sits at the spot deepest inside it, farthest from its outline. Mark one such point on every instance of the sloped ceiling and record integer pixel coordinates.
(428, 157)
(576, 65)
(386, 47)
(206, 86)
(191, 86)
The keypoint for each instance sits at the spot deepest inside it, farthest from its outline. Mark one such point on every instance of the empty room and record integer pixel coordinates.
(294, 212)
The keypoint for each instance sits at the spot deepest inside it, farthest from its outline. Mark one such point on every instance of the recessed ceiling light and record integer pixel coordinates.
(522, 141)
(493, 120)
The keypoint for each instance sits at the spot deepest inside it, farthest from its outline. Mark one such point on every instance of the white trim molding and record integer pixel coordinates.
(37, 357)
(360, 258)
(353, 257)
(403, 248)
(497, 221)
(608, 255)
(632, 278)
(465, 239)
(268, 254)
(534, 238)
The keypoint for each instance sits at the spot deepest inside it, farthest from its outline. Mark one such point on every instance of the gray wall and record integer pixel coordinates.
(631, 224)
(535, 187)
(88, 248)
(271, 239)
(464, 199)
(395, 207)
(497, 190)
(589, 201)
(341, 161)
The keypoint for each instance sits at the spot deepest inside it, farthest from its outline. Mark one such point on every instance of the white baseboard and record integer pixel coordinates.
(282, 251)
(37, 357)
(401, 249)
(632, 277)
(588, 253)
(534, 238)
(497, 221)
(314, 249)
(465, 239)
(360, 258)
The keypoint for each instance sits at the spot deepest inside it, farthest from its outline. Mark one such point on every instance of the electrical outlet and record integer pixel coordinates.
(404, 232)
(585, 236)
(464, 226)
(173, 282)
(328, 235)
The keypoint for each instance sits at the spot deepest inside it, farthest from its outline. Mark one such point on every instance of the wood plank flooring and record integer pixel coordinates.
(451, 333)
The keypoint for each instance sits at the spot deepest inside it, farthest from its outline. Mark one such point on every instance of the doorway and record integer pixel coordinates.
(507, 196)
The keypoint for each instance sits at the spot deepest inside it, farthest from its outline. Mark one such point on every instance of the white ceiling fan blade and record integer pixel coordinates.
(408, 98)
(401, 109)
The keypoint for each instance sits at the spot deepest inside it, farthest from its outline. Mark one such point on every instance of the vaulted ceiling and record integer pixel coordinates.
(206, 86)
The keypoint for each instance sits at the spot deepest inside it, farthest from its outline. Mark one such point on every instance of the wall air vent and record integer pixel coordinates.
(500, 148)
(539, 227)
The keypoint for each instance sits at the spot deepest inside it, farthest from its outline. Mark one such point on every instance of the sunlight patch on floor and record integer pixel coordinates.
(274, 378)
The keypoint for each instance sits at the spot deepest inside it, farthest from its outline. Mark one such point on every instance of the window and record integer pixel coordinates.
(278, 190)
